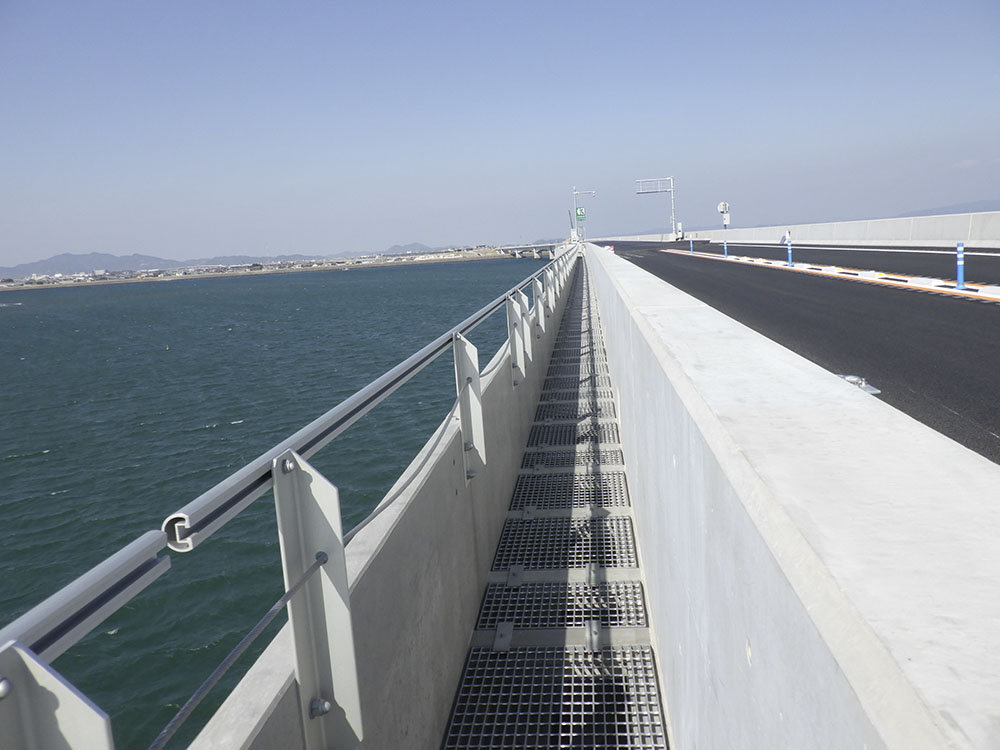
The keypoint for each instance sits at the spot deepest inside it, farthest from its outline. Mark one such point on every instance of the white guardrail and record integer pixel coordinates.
(309, 528)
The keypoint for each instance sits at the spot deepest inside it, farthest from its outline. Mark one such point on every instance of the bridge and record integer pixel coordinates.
(642, 524)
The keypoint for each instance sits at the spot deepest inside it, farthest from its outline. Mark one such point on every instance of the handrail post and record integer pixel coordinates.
(515, 335)
(526, 326)
(550, 292)
(308, 511)
(470, 405)
(538, 295)
(40, 708)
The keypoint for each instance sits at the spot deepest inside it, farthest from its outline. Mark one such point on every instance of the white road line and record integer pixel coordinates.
(974, 291)
(862, 249)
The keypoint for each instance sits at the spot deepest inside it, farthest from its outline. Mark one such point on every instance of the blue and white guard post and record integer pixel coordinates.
(960, 265)
(691, 245)
(789, 240)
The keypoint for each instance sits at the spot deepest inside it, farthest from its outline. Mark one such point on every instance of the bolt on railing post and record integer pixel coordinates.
(470, 405)
(308, 511)
(960, 266)
(515, 334)
(538, 295)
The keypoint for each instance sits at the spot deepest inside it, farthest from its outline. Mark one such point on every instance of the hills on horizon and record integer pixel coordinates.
(70, 263)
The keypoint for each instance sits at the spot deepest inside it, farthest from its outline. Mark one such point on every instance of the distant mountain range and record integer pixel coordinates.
(413, 247)
(70, 263)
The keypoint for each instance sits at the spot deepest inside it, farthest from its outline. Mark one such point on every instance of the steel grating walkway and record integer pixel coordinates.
(561, 654)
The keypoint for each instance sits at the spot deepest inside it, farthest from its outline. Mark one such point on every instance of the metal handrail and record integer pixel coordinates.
(48, 629)
(206, 514)
(62, 619)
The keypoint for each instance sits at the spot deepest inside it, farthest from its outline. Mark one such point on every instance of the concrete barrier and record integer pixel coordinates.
(417, 572)
(976, 230)
(821, 569)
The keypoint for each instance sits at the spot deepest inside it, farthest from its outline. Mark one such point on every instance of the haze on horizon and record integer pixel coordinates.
(188, 129)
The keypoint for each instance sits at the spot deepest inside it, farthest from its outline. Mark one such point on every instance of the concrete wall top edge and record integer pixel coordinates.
(899, 515)
(976, 230)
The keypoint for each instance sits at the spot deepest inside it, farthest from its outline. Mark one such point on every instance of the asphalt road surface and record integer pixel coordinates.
(933, 356)
(982, 266)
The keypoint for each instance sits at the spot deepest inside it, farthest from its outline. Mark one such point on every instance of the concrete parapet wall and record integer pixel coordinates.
(820, 568)
(974, 229)
(417, 571)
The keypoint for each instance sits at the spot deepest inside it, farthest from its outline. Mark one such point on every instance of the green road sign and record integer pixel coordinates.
(581, 213)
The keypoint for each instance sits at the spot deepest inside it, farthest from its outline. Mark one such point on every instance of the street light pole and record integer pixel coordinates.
(576, 209)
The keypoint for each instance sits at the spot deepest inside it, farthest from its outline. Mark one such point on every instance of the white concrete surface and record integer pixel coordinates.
(417, 572)
(821, 568)
(980, 230)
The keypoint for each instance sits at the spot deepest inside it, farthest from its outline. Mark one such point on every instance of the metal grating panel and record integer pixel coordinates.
(574, 353)
(533, 698)
(583, 368)
(542, 435)
(546, 543)
(579, 342)
(579, 363)
(575, 395)
(545, 491)
(578, 410)
(583, 455)
(577, 382)
(563, 605)
(577, 337)
(571, 355)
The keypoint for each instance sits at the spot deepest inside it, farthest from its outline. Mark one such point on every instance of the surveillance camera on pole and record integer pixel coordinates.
(724, 210)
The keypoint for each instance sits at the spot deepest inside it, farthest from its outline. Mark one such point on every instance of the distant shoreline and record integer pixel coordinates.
(340, 266)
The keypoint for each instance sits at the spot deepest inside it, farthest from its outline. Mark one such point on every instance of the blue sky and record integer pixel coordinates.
(189, 129)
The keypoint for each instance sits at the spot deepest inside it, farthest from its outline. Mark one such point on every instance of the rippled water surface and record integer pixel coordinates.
(121, 403)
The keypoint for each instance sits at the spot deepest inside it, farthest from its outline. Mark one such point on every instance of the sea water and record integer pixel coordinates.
(121, 403)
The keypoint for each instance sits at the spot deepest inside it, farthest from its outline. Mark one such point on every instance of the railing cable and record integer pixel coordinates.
(186, 710)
